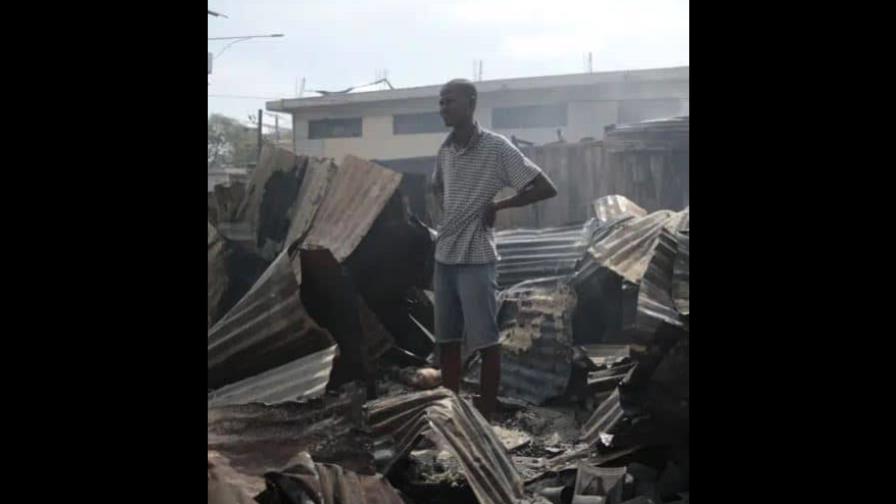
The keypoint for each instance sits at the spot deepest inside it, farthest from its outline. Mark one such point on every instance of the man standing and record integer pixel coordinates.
(473, 164)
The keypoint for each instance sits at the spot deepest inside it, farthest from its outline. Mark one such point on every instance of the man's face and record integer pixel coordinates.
(454, 106)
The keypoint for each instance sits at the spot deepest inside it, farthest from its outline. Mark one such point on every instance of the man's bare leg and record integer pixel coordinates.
(490, 378)
(449, 357)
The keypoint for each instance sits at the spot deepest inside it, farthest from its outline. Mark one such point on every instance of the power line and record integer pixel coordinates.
(242, 97)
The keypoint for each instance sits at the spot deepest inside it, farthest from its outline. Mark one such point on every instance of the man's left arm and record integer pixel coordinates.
(531, 183)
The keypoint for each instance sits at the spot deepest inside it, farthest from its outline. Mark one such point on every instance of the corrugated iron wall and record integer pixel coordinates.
(583, 172)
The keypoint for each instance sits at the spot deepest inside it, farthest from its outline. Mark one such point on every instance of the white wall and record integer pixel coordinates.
(590, 110)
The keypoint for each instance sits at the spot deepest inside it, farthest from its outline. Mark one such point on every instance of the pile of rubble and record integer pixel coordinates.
(320, 320)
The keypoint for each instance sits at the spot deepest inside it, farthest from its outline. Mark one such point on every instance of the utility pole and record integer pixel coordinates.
(260, 122)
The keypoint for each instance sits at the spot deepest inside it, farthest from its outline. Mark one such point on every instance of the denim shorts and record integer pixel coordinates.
(466, 307)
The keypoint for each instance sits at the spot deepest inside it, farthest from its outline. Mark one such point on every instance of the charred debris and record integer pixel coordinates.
(320, 321)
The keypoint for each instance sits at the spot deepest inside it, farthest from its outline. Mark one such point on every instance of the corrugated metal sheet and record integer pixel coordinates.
(601, 426)
(585, 453)
(609, 377)
(232, 271)
(270, 195)
(602, 355)
(574, 170)
(259, 438)
(315, 185)
(299, 380)
(485, 462)
(647, 163)
(628, 247)
(356, 195)
(218, 275)
(267, 328)
(535, 323)
(681, 275)
(526, 254)
(325, 484)
(671, 134)
(684, 225)
(614, 207)
(655, 305)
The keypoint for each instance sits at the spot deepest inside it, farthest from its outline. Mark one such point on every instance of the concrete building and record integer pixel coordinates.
(402, 127)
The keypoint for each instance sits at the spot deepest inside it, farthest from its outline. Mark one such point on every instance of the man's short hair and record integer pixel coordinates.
(465, 86)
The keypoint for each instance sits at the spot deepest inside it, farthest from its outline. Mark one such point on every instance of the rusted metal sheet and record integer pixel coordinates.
(305, 481)
(356, 195)
(258, 438)
(315, 185)
(535, 323)
(526, 254)
(269, 327)
(485, 462)
(614, 207)
(270, 197)
(302, 379)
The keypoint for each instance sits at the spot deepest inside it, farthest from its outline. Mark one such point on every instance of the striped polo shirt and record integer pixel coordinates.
(466, 180)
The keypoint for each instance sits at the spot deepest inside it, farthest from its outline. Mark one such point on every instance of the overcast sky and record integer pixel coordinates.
(335, 45)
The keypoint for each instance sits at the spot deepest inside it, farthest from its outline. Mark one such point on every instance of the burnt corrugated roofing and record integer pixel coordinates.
(266, 329)
(355, 196)
(628, 247)
(487, 468)
(526, 254)
(601, 425)
(302, 379)
(258, 438)
(535, 323)
(304, 479)
(681, 275)
(614, 207)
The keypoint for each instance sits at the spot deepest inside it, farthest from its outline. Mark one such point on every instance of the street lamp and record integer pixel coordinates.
(240, 39)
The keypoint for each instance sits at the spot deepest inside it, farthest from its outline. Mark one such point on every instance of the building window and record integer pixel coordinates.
(334, 128)
(426, 122)
(529, 116)
(644, 110)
